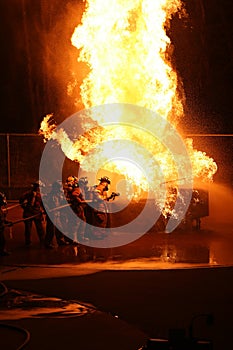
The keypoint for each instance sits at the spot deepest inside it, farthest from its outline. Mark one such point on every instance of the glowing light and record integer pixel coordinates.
(125, 45)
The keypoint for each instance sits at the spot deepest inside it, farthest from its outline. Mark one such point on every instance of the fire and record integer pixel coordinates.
(47, 127)
(203, 166)
(125, 45)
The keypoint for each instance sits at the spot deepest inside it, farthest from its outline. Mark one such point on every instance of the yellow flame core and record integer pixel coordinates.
(125, 45)
(46, 128)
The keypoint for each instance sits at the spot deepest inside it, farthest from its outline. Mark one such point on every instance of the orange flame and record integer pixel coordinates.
(125, 45)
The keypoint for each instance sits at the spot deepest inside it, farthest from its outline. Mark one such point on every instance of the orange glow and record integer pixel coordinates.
(125, 45)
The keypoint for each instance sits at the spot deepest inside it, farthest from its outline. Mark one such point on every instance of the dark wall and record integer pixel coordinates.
(35, 68)
(203, 56)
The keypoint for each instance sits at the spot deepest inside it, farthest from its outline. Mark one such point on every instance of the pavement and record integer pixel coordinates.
(63, 299)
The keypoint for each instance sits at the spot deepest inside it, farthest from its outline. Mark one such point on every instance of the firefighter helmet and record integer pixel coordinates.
(72, 181)
(57, 185)
(2, 199)
(83, 181)
(70, 178)
(105, 179)
(35, 185)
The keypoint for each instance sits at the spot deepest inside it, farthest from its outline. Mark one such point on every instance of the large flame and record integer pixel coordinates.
(125, 45)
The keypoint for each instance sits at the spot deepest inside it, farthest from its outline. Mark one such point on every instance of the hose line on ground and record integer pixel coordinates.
(9, 326)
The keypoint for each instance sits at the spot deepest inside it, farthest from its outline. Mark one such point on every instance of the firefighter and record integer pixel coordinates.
(3, 222)
(71, 182)
(75, 198)
(100, 217)
(33, 211)
(83, 184)
(54, 222)
(100, 212)
(195, 209)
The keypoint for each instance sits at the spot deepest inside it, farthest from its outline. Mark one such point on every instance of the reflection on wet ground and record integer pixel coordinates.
(212, 245)
(36, 322)
(83, 273)
(201, 247)
(20, 304)
(17, 304)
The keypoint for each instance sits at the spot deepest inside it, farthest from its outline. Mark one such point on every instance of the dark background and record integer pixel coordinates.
(37, 61)
(203, 56)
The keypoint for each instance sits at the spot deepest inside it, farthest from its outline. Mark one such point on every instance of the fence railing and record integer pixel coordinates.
(21, 155)
(20, 159)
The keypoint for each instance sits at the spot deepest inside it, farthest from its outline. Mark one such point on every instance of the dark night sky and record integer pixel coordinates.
(35, 66)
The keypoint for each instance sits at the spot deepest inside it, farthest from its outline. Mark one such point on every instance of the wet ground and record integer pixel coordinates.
(212, 245)
(72, 297)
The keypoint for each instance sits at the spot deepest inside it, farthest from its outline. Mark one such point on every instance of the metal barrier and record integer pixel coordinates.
(20, 159)
(21, 154)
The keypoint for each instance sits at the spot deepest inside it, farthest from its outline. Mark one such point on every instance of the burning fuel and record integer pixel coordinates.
(126, 47)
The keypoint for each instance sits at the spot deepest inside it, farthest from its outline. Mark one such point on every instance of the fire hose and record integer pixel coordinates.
(13, 206)
(9, 224)
(68, 205)
(51, 210)
(113, 195)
